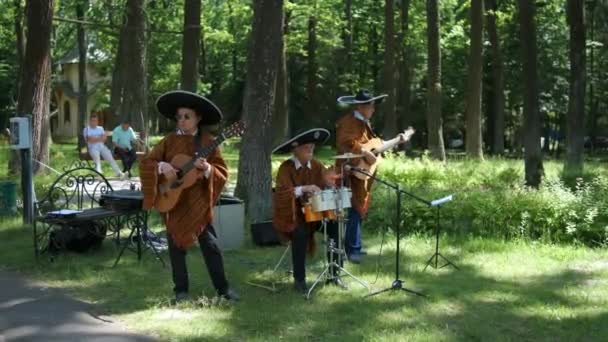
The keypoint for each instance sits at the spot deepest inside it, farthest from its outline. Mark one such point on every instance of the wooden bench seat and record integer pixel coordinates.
(83, 152)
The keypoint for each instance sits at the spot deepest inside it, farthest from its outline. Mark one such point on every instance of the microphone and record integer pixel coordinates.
(441, 201)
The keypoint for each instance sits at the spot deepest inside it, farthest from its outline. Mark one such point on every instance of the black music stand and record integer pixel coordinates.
(434, 259)
(397, 284)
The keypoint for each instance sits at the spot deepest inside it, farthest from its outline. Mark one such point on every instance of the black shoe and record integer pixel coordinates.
(300, 286)
(354, 258)
(230, 294)
(129, 174)
(179, 298)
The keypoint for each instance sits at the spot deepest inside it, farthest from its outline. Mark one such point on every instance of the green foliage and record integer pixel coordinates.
(491, 200)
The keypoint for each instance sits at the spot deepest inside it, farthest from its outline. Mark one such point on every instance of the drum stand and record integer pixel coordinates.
(332, 249)
(272, 287)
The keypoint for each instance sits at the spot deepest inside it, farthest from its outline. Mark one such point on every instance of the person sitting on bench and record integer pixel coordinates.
(123, 138)
(95, 136)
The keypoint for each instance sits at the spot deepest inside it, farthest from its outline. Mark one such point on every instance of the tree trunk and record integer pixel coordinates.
(405, 69)
(312, 109)
(190, 46)
(81, 9)
(434, 119)
(497, 105)
(255, 176)
(135, 104)
(578, 76)
(35, 93)
(390, 117)
(118, 86)
(280, 117)
(474, 145)
(347, 41)
(20, 40)
(532, 123)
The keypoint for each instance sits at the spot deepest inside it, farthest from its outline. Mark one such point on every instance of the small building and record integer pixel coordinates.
(64, 121)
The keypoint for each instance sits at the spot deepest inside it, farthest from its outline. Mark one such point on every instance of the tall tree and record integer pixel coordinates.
(473, 97)
(191, 44)
(434, 117)
(280, 117)
(578, 76)
(497, 104)
(118, 73)
(35, 92)
(255, 176)
(347, 42)
(312, 109)
(390, 115)
(533, 158)
(405, 67)
(81, 8)
(20, 41)
(135, 105)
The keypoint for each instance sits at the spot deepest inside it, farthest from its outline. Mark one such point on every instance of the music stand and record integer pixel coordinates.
(397, 284)
(438, 204)
(139, 226)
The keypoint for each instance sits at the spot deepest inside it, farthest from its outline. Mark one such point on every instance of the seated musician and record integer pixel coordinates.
(297, 179)
(190, 219)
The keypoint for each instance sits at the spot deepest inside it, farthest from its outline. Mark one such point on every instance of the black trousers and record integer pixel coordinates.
(212, 254)
(299, 245)
(128, 157)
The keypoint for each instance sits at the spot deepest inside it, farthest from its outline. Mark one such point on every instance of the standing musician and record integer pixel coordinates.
(190, 218)
(297, 179)
(353, 130)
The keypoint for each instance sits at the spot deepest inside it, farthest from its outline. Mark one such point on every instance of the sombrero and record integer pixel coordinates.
(363, 96)
(315, 135)
(168, 103)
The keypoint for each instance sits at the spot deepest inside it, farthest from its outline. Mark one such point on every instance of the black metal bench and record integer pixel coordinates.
(80, 189)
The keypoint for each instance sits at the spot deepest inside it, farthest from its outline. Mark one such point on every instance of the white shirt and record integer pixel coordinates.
(298, 189)
(98, 131)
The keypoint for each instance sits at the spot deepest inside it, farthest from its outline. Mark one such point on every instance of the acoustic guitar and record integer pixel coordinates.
(378, 146)
(170, 188)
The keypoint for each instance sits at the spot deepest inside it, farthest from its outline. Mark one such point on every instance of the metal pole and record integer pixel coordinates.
(27, 178)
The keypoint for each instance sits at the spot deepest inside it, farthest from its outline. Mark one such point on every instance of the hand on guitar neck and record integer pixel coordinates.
(373, 149)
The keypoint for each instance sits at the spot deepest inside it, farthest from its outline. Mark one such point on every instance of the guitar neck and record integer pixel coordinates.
(204, 152)
(389, 144)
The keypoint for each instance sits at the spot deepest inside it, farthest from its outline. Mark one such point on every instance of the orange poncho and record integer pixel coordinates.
(194, 210)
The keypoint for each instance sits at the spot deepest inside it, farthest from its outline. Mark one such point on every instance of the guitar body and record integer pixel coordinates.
(373, 144)
(378, 146)
(170, 189)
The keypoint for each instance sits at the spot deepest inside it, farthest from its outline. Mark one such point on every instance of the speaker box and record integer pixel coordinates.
(263, 234)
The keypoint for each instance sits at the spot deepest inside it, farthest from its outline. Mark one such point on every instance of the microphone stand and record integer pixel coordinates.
(397, 284)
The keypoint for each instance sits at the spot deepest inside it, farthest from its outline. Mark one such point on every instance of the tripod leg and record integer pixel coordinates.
(122, 250)
(414, 292)
(276, 267)
(448, 262)
(430, 262)
(316, 282)
(355, 278)
(378, 292)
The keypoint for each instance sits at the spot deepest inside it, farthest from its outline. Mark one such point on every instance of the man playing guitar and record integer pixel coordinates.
(354, 135)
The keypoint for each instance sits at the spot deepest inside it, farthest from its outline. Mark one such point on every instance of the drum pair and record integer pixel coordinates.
(324, 204)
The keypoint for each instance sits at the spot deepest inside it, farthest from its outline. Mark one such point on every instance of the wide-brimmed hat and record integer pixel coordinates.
(315, 136)
(363, 96)
(168, 103)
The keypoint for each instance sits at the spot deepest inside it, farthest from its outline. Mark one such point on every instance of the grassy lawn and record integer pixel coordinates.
(513, 283)
(503, 291)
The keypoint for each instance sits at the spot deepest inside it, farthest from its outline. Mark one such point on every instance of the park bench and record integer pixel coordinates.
(74, 201)
(83, 152)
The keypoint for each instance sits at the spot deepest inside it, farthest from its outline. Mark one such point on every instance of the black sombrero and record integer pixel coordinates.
(363, 96)
(315, 135)
(168, 103)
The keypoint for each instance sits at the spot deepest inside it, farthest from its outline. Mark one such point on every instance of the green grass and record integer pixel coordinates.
(512, 285)
(503, 291)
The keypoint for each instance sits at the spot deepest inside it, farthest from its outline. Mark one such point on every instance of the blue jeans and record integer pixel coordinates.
(352, 238)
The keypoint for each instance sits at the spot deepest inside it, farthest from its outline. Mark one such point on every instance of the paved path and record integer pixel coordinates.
(32, 312)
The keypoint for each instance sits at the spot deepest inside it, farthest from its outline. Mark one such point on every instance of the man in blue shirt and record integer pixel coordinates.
(123, 137)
